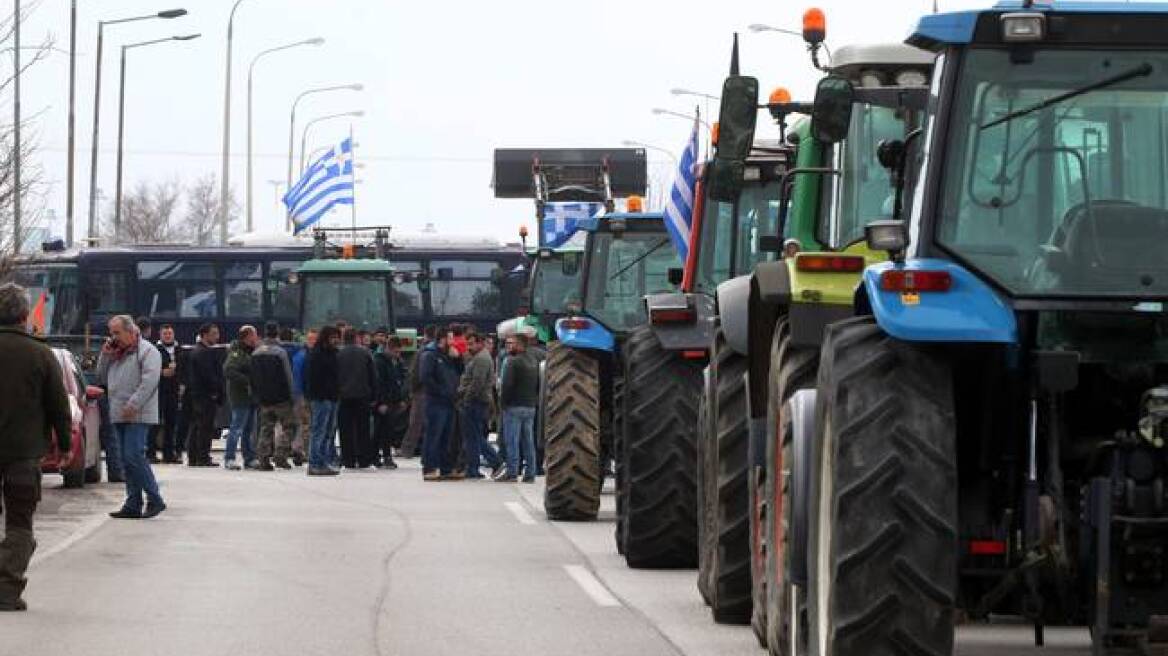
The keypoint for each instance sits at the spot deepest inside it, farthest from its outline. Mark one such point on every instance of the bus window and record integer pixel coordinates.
(284, 289)
(407, 296)
(178, 290)
(243, 290)
(461, 288)
(462, 268)
(55, 289)
(108, 292)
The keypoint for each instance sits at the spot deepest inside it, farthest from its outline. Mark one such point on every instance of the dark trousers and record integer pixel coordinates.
(184, 418)
(20, 486)
(202, 432)
(475, 446)
(439, 422)
(388, 431)
(356, 442)
(168, 429)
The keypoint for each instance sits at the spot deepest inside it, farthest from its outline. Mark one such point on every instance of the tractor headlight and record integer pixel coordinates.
(1023, 27)
(888, 236)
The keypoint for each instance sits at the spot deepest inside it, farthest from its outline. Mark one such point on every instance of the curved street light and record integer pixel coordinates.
(659, 111)
(225, 188)
(304, 135)
(760, 27)
(292, 122)
(250, 73)
(640, 144)
(698, 94)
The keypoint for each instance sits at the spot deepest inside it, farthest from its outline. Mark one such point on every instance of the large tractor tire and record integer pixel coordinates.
(883, 530)
(706, 483)
(618, 458)
(572, 432)
(660, 407)
(728, 563)
(791, 369)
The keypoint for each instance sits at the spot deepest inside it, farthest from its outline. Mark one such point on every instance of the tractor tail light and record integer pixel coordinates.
(829, 263)
(575, 324)
(900, 280)
(987, 548)
(680, 315)
(694, 355)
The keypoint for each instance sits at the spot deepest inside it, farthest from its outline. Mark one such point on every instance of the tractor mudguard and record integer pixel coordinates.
(683, 336)
(801, 413)
(594, 336)
(734, 313)
(970, 311)
(808, 321)
(773, 281)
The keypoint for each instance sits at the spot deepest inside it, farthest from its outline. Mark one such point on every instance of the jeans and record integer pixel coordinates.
(474, 437)
(324, 417)
(109, 441)
(519, 433)
(139, 475)
(439, 419)
(243, 419)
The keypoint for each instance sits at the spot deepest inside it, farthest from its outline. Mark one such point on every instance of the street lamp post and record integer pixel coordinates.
(640, 144)
(122, 122)
(250, 72)
(72, 130)
(170, 13)
(17, 241)
(304, 135)
(224, 177)
(292, 125)
(759, 27)
(689, 117)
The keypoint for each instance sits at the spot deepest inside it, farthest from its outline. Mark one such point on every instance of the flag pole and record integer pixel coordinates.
(353, 158)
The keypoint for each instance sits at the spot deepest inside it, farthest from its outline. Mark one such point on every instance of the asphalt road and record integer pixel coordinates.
(362, 564)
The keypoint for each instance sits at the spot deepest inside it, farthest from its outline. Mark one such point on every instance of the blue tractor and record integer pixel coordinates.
(987, 435)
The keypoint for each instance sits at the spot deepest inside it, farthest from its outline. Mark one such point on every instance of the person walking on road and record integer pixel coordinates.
(440, 379)
(320, 388)
(131, 368)
(390, 411)
(206, 378)
(417, 426)
(356, 389)
(33, 409)
(303, 408)
(237, 371)
(168, 393)
(475, 391)
(518, 397)
(271, 384)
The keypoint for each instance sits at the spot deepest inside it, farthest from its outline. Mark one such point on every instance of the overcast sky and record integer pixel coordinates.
(445, 84)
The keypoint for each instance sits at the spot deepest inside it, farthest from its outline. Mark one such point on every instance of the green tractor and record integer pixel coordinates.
(356, 287)
(783, 307)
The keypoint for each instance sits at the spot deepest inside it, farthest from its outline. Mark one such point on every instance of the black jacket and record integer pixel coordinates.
(320, 376)
(169, 385)
(391, 379)
(271, 374)
(206, 365)
(357, 374)
(520, 386)
(439, 375)
(33, 403)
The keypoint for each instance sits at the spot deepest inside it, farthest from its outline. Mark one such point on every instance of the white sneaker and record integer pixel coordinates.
(231, 465)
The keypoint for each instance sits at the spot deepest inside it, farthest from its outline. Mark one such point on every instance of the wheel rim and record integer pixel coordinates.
(823, 542)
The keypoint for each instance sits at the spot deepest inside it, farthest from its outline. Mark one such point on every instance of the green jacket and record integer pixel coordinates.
(237, 371)
(32, 398)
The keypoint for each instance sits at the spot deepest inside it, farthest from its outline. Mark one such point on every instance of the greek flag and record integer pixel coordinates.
(326, 184)
(560, 221)
(679, 207)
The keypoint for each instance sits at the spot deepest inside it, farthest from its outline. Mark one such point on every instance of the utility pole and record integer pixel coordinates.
(226, 190)
(69, 174)
(17, 242)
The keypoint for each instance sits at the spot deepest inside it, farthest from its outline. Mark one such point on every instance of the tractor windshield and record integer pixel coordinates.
(617, 281)
(1055, 180)
(360, 300)
(729, 243)
(556, 283)
(864, 192)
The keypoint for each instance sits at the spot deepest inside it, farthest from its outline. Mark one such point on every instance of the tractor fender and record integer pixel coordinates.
(768, 299)
(594, 337)
(683, 336)
(734, 313)
(800, 413)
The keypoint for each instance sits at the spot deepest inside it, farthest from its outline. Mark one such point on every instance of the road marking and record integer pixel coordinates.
(520, 513)
(82, 532)
(592, 586)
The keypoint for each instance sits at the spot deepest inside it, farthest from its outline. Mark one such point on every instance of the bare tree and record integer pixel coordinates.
(201, 221)
(148, 215)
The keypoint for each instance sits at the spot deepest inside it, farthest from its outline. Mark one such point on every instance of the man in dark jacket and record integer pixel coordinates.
(206, 395)
(320, 388)
(168, 394)
(271, 385)
(237, 371)
(440, 381)
(389, 419)
(33, 407)
(518, 396)
(356, 388)
(417, 425)
(475, 394)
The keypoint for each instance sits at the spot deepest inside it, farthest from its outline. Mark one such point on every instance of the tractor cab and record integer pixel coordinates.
(554, 287)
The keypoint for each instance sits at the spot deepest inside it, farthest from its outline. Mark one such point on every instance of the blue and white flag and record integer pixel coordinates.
(560, 221)
(679, 206)
(328, 182)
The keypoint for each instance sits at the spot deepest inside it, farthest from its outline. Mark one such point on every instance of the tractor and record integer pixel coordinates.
(986, 436)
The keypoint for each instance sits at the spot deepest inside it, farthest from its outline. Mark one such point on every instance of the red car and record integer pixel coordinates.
(86, 443)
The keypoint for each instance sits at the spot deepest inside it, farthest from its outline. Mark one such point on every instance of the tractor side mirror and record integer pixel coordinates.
(831, 114)
(725, 179)
(676, 275)
(737, 117)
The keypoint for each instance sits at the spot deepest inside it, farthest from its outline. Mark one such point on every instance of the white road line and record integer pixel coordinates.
(520, 513)
(82, 532)
(592, 586)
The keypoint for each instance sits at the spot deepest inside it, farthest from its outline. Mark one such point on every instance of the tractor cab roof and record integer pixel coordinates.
(854, 61)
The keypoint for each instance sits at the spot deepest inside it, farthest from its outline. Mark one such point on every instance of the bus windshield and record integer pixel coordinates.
(617, 281)
(1069, 199)
(360, 300)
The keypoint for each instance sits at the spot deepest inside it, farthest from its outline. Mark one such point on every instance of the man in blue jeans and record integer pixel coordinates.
(321, 390)
(440, 381)
(518, 396)
(237, 371)
(474, 397)
(131, 367)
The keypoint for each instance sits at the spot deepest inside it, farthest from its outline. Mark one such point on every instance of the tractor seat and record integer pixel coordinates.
(1117, 246)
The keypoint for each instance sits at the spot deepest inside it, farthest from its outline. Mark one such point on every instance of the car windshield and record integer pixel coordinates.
(617, 281)
(359, 300)
(556, 283)
(731, 232)
(1069, 199)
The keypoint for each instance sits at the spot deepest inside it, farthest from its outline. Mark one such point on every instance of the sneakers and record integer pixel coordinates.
(297, 459)
(322, 471)
(282, 463)
(125, 513)
(153, 510)
(264, 465)
(254, 465)
(432, 475)
(15, 605)
(455, 475)
(231, 465)
(389, 464)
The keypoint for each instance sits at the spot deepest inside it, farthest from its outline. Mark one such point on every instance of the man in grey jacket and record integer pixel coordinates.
(131, 367)
(474, 395)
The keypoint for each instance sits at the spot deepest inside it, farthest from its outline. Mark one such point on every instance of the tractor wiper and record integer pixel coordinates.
(640, 258)
(1143, 70)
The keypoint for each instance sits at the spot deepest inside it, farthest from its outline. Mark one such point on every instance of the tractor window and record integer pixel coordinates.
(360, 300)
(758, 216)
(617, 281)
(863, 192)
(717, 234)
(1068, 199)
(556, 283)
